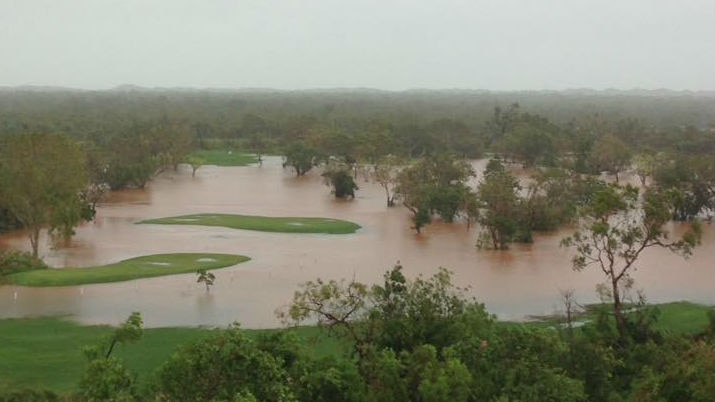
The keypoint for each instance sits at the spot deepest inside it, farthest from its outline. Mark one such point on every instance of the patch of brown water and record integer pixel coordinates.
(514, 283)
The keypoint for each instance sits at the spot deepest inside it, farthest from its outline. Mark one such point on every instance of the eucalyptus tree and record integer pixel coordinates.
(616, 227)
(42, 179)
(259, 143)
(551, 199)
(435, 185)
(610, 154)
(386, 172)
(502, 121)
(531, 141)
(645, 165)
(499, 203)
(301, 157)
(691, 180)
(195, 162)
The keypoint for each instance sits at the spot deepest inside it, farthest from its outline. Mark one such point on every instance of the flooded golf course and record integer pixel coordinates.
(523, 280)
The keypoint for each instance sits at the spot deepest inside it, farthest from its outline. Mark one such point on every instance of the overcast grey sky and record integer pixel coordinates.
(395, 45)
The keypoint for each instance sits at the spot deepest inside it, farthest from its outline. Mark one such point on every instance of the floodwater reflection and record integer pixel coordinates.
(523, 280)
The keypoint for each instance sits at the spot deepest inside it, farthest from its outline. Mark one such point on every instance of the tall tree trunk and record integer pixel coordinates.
(618, 310)
(35, 240)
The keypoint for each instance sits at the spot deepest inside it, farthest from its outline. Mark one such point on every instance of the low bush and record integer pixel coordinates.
(12, 261)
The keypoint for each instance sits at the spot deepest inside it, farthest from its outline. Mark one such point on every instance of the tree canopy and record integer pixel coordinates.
(42, 179)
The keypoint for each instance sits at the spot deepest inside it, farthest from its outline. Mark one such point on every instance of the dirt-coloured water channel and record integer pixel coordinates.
(514, 283)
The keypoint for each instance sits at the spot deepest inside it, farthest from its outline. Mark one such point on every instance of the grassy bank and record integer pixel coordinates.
(224, 157)
(46, 352)
(134, 268)
(675, 317)
(262, 223)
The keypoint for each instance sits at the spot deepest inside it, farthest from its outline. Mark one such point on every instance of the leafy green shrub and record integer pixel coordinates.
(30, 395)
(221, 367)
(12, 261)
(107, 379)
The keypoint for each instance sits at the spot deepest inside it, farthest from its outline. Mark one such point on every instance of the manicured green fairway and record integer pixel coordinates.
(262, 223)
(141, 267)
(224, 157)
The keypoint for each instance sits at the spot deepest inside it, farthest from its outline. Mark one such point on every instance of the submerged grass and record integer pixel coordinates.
(134, 268)
(224, 157)
(262, 223)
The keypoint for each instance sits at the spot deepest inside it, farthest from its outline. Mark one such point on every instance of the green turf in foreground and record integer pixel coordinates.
(43, 353)
(224, 157)
(134, 268)
(682, 317)
(46, 353)
(262, 223)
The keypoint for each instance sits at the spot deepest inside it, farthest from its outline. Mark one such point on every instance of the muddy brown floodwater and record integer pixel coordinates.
(523, 280)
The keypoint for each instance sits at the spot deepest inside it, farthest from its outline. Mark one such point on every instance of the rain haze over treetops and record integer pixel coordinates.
(383, 44)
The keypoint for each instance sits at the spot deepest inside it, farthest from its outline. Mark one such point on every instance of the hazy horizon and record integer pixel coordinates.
(510, 45)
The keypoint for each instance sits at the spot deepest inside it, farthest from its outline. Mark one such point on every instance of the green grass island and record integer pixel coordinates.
(223, 157)
(262, 223)
(147, 266)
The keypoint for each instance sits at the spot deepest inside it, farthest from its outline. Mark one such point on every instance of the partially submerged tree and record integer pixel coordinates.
(645, 165)
(616, 228)
(532, 141)
(42, 178)
(339, 176)
(551, 200)
(502, 121)
(435, 185)
(195, 162)
(205, 277)
(498, 199)
(301, 157)
(610, 154)
(386, 173)
(130, 160)
(691, 180)
(259, 143)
